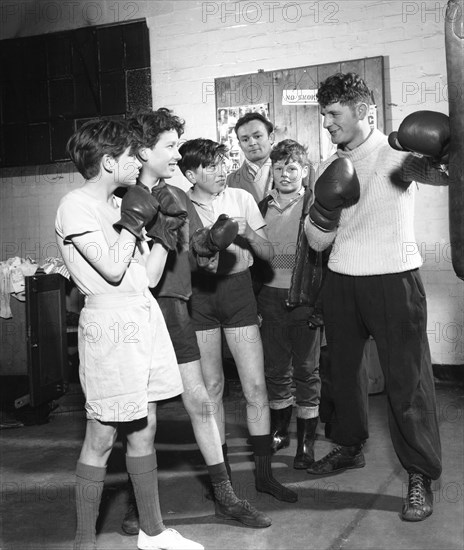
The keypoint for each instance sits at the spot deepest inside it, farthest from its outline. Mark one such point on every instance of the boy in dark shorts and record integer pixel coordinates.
(224, 301)
(127, 361)
(159, 132)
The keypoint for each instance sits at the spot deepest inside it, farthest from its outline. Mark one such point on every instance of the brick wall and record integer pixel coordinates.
(194, 42)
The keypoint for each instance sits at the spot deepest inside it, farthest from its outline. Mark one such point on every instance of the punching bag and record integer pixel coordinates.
(454, 48)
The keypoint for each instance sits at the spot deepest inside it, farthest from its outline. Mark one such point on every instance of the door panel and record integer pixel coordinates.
(46, 337)
(301, 122)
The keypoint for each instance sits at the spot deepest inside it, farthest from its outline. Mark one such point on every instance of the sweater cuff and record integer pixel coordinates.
(317, 238)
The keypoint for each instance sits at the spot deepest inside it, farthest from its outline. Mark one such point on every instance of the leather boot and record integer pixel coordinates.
(306, 434)
(280, 421)
(418, 504)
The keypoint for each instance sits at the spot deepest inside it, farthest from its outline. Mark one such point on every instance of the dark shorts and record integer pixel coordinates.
(223, 301)
(180, 328)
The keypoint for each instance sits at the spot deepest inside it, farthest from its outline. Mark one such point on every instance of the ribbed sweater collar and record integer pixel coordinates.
(373, 142)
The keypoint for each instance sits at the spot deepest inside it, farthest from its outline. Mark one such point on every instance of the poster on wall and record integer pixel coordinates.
(226, 119)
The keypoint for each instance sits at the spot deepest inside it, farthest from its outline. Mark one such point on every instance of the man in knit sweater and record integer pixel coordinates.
(373, 287)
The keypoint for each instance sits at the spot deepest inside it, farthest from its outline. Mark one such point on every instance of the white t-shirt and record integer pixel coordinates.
(79, 214)
(235, 203)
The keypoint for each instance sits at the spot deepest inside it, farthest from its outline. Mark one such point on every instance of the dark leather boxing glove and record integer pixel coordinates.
(337, 186)
(168, 201)
(138, 208)
(206, 242)
(164, 229)
(423, 132)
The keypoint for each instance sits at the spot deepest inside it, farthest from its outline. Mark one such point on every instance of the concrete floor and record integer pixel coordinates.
(357, 509)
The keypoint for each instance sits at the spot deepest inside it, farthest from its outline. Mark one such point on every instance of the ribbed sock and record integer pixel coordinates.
(265, 481)
(226, 461)
(143, 472)
(222, 487)
(89, 488)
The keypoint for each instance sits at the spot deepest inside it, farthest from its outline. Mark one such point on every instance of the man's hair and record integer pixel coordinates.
(96, 138)
(200, 152)
(346, 88)
(288, 150)
(148, 125)
(248, 117)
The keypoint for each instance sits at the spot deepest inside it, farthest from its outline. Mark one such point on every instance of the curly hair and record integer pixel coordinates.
(346, 88)
(96, 138)
(289, 149)
(148, 125)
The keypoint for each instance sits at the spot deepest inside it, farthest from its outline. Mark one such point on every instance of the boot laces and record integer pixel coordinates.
(416, 492)
(334, 451)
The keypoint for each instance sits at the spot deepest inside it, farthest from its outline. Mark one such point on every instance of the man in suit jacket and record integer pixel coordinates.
(255, 135)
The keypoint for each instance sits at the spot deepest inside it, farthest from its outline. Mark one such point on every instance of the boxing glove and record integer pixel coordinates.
(168, 201)
(337, 186)
(423, 132)
(206, 242)
(138, 208)
(164, 229)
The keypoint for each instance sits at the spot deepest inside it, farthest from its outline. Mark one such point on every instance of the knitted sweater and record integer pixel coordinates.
(376, 235)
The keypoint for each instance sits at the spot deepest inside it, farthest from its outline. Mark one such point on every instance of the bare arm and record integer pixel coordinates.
(110, 262)
(156, 262)
(258, 240)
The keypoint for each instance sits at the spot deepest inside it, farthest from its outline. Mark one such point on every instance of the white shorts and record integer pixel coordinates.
(126, 356)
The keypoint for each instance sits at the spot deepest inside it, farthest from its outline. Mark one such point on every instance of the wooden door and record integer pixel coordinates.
(46, 337)
(299, 121)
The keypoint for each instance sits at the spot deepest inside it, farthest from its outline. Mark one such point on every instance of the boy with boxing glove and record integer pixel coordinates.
(127, 361)
(177, 228)
(224, 301)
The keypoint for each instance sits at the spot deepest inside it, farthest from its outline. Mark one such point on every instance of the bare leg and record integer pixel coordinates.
(247, 349)
(209, 342)
(202, 411)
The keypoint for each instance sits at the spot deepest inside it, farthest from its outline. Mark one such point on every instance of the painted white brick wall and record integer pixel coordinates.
(194, 42)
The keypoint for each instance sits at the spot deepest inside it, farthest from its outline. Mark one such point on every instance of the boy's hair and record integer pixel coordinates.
(347, 88)
(248, 117)
(200, 152)
(289, 149)
(148, 125)
(96, 138)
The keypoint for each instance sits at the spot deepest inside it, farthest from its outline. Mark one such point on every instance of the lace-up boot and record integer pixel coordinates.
(419, 500)
(340, 458)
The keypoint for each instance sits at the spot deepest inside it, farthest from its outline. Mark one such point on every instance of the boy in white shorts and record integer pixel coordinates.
(127, 359)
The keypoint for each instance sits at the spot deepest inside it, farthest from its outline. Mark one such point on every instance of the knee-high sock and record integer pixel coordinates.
(89, 488)
(265, 481)
(143, 472)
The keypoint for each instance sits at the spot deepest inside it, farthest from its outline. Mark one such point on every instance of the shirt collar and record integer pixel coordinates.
(217, 195)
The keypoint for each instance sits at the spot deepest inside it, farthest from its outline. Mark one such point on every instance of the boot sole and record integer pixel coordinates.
(243, 522)
(338, 470)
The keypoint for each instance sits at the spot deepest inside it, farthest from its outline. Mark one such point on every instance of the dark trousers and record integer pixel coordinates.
(291, 351)
(392, 308)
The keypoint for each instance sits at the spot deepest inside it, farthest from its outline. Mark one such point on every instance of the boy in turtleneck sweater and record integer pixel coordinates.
(373, 287)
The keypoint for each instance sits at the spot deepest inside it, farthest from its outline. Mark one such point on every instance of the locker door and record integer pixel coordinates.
(46, 337)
